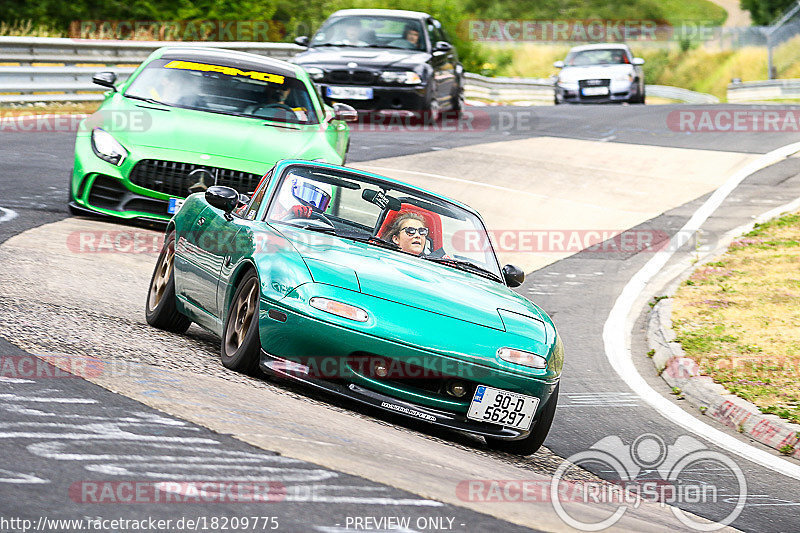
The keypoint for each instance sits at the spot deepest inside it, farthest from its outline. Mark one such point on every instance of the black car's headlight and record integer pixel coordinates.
(315, 73)
(107, 147)
(406, 77)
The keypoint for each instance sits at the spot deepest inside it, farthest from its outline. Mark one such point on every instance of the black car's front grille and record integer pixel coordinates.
(171, 177)
(364, 77)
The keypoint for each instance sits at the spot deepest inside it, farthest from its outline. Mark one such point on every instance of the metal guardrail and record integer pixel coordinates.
(755, 91)
(43, 69)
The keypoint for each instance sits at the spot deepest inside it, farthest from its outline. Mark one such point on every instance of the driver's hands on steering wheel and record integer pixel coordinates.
(301, 211)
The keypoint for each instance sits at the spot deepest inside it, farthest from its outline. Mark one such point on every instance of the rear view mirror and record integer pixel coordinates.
(223, 198)
(381, 200)
(105, 79)
(301, 41)
(514, 276)
(558, 64)
(344, 112)
(638, 61)
(442, 46)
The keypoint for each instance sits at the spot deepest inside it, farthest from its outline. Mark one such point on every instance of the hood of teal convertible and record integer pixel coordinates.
(408, 280)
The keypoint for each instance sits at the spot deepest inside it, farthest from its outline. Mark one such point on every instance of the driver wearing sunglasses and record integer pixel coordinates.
(409, 233)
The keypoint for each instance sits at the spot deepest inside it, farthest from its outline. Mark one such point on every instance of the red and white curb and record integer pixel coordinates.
(712, 399)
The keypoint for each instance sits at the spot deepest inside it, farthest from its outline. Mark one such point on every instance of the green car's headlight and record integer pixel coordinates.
(339, 309)
(315, 73)
(406, 76)
(107, 148)
(520, 357)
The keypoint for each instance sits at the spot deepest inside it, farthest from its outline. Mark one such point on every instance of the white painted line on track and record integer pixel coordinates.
(7, 214)
(617, 329)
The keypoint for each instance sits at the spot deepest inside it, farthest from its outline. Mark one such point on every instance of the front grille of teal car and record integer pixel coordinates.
(410, 377)
(172, 177)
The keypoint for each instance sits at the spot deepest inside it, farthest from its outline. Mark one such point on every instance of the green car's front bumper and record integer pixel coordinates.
(142, 186)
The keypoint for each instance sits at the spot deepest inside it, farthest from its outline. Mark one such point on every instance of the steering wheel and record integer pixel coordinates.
(280, 105)
(321, 216)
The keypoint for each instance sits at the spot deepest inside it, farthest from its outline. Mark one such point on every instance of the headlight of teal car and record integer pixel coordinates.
(406, 76)
(107, 147)
(339, 309)
(521, 357)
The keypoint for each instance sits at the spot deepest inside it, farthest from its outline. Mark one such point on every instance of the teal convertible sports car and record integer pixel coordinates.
(368, 288)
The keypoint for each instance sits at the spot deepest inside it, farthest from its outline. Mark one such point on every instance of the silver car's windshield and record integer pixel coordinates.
(392, 216)
(224, 89)
(602, 56)
(371, 31)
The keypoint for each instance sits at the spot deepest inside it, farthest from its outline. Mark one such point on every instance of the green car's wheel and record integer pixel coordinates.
(240, 340)
(161, 310)
(532, 442)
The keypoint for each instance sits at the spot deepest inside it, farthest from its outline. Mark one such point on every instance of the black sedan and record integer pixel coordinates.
(385, 61)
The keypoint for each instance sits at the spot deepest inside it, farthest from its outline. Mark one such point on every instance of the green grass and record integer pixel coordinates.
(739, 317)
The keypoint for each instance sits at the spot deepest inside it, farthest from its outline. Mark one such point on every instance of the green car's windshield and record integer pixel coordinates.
(371, 32)
(224, 89)
(383, 214)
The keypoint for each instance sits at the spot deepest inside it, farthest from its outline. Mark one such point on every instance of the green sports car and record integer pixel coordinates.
(368, 288)
(190, 118)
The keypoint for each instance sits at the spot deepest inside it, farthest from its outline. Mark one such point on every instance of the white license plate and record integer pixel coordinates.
(594, 91)
(501, 407)
(175, 205)
(350, 93)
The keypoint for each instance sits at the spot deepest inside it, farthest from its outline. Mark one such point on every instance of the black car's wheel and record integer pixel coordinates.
(532, 442)
(458, 103)
(161, 309)
(241, 343)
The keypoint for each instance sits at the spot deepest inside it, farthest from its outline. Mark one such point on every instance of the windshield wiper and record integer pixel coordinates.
(373, 240)
(465, 265)
(144, 99)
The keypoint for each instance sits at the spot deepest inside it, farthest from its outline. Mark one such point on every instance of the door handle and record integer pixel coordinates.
(201, 221)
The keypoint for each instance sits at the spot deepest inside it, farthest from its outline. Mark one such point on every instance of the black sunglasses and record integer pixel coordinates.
(412, 231)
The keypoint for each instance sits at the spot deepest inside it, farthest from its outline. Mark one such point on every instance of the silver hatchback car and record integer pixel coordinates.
(600, 73)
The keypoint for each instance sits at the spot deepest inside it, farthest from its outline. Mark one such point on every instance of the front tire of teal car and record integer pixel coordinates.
(241, 343)
(161, 309)
(530, 444)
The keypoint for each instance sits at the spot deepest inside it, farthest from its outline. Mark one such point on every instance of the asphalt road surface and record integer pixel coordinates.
(577, 292)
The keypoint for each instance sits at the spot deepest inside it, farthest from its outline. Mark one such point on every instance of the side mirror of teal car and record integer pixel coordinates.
(513, 275)
(223, 198)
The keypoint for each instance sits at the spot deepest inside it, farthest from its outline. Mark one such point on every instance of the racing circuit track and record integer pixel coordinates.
(558, 169)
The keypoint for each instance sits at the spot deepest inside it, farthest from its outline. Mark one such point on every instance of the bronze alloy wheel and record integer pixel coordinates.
(240, 319)
(161, 276)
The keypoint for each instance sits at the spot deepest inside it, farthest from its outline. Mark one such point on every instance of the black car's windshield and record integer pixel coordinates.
(383, 214)
(371, 32)
(224, 89)
(600, 56)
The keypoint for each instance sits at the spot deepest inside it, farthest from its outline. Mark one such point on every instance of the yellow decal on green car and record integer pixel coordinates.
(229, 71)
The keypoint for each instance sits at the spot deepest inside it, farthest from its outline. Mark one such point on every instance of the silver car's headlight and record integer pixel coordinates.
(404, 76)
(623, 77)
(107, 147)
